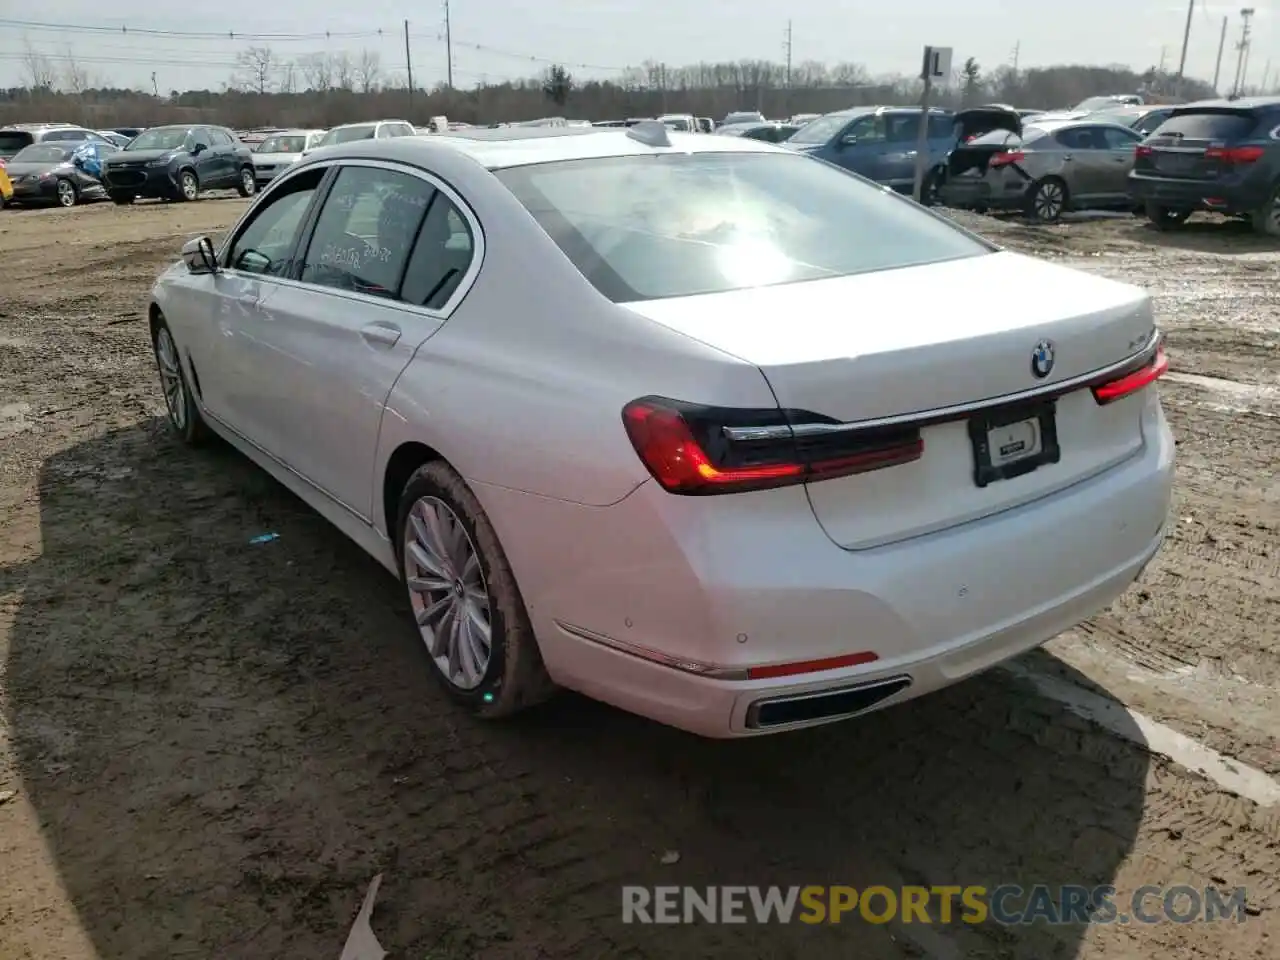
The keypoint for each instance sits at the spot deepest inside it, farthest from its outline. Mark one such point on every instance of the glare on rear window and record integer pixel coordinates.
(673, 225)
(1208, 125)
(11, 143)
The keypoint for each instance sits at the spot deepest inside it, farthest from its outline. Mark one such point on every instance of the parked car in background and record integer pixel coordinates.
(256, 135)
(800, 119)
(769, 131)
(373, 130)
(705, 124)
(279, 150)
(178, 162)
(742, 116)
(55, 171)
(877, 142)
(19, 135)
(742, 512)
(1094, 104)
(1050, 169)
(1218, 155)
(682, 122)
(1140, 119)
(129, 132)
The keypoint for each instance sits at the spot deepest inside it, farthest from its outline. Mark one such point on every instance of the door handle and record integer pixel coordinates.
(382, 333)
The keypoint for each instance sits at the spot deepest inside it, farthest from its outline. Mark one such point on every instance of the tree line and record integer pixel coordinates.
(324, 89)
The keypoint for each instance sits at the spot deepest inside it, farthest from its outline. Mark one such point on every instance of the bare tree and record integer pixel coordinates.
(317, 71)
(368, 70)
(40, 74)
(288, 77)
(254, 68)
(344, 70)
(75, 79)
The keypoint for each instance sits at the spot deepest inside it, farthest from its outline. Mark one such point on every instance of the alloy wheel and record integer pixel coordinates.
(175, 390)
(248, 182)
(448, 593)
(189, 186)
(66, 193)
(1048, 202)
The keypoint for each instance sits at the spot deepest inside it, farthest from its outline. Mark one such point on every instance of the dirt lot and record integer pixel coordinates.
(209, 747)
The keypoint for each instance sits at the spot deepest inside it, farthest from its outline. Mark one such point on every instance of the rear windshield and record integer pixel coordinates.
(11, 141)
(1208, 125)
(290, 144)
(43, 153)
(674, 225)
(822, 129)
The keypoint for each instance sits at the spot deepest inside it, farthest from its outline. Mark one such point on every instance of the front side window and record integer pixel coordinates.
(220, 139)
(671, 225)
(868, 129)
(1120, 138)
(822, 129)
(365, 231)
(265, 246)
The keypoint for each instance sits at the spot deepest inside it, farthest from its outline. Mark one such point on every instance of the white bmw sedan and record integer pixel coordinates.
(697, 426)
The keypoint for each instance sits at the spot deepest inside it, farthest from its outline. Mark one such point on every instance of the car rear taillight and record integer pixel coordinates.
(1234, 154)
(1004, 159)
(697, 450)
(1134, 380)
(1141, 150)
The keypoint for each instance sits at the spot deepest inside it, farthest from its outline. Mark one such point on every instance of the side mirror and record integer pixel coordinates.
(198, 149)
(199, 256)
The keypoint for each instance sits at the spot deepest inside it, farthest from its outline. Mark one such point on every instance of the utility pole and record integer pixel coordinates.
(1160, 69)
(1222, 45)
(787, 47)
(1186, 37)
(1017, 49)
(1266, 75)
(448, 46)
(408, 62)
(1245, 15)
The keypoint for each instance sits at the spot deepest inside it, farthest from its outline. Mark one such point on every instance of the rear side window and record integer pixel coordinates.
(672, 225)
(1208, 125)
(11, 141)
(70, 134)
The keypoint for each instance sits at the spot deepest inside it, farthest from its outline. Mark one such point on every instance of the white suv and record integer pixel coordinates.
(368, 130)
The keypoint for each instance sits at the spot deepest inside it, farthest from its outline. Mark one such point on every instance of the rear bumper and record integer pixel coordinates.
(265, 174)
(637, 602)
(1242, 196)
(142, 182)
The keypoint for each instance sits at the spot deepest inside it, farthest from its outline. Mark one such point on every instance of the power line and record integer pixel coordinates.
(195, 34)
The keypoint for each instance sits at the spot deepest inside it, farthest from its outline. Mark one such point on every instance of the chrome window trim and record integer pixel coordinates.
(478, 246)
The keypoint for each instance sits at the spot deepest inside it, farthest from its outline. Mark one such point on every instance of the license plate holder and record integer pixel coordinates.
(1013, 441)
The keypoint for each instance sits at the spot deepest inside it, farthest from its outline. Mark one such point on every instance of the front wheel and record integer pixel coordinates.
(1165, 218)
(1048, 200)
(184, 415)
(468, 610)
(66, 193)
(248, 185)
(188, 186)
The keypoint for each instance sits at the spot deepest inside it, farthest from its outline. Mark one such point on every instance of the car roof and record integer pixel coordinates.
(1050, 126)
(1242, 103)
(514, 147)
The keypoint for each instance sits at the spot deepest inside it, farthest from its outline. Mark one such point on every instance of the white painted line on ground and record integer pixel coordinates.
(1232, 775)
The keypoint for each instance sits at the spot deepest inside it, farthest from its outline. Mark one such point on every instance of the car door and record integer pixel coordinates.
(1082, 159)
(1120, 145)
(859, 147)
(203, 157)
(230, 308)
(332, 344)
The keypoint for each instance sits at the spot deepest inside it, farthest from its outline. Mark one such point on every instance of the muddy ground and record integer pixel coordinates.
(209, 747)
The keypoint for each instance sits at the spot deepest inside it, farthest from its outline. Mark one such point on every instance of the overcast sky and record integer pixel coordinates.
(502, 39)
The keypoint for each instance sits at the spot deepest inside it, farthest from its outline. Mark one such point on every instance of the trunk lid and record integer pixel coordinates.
(977, 121)
(921, 339)
(973, 157)
(1184, 145)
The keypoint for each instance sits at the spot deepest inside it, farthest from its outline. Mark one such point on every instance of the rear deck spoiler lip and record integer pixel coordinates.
(962, 411)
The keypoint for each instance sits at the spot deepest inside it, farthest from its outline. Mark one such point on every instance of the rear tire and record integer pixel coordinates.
(1165, 218)
(456, 572)
(1047, 201)
(1266, 219)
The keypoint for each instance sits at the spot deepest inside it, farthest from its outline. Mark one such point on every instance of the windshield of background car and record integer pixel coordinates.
(675, 225)
(821, 130)
(164, 138)
(1208, 125)
(43, 153)
(348, 135)
(11, 141)
(292, 144)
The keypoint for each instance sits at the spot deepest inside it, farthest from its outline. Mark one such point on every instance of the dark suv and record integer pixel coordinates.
(1219, 155)
(177, 162)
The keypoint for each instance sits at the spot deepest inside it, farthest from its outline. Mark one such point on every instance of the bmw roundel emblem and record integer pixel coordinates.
(1042, 359)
